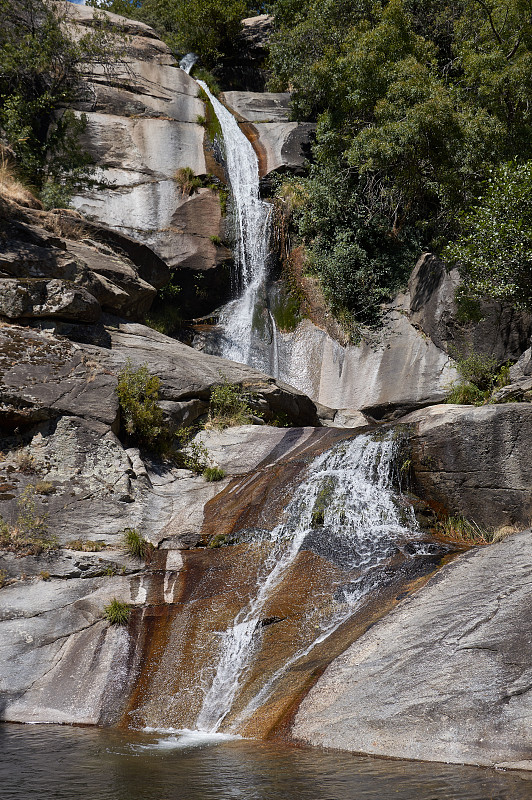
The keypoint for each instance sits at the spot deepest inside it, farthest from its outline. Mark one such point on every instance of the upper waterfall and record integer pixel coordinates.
(251, 228)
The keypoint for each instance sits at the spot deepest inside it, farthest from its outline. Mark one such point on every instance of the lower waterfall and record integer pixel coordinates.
(344, 535)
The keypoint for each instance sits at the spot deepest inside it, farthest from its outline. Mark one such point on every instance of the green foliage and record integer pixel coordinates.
(193, 454)
(212, 474)
(117, 613)
(206, 27)
(142, 419)
(229, 405)
(494, 250)
(29, 532)
(417, 105)
(359, 262)
(136, 545)
(479, 375)
(40, 74)
(187, 180)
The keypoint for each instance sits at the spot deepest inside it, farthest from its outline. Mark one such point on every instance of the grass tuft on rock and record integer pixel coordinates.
(212, 474)
(117, 613)
(136, 545)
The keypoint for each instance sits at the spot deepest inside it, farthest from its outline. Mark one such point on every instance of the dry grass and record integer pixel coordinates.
(462, 531)
(66, 223)
(11, 188)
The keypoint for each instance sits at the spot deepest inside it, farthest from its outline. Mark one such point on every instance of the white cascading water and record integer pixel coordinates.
(251, 223)
(359, 507)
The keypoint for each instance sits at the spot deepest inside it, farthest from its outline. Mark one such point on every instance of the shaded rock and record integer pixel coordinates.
(523, 366)
(53, 298)
(518, 392)
(42, 377)
(246, 70)
(444, 677)
(501, 331)
(111, 277)
(475, 461)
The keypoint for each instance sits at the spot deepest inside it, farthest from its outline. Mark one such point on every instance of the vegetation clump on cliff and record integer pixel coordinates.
(41, 74)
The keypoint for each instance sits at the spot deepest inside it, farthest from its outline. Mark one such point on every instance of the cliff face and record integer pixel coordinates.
(74, 288)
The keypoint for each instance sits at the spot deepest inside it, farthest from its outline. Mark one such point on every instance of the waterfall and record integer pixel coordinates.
(347, 504)
(187, 62)
(251, 226)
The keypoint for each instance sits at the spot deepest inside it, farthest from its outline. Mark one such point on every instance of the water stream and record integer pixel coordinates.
(346, 505)
(251, 225)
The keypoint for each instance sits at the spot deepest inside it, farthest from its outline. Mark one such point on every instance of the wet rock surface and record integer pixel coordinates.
(444, 677)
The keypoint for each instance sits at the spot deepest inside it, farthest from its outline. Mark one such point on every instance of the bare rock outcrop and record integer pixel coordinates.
(475, 461)
(445, 677)
(141, 128)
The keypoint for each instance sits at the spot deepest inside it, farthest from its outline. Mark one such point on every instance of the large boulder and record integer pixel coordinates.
(497, 330)
(70, 275)
(396, 372)
(444, 677)
(475, 461)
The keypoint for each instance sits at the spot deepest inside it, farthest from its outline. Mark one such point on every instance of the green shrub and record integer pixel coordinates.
(187, 180)
(229, 406)
(117, 613)
(212, 474)
(479, 375)
(142, 419)
(193, 455)
(136, 545)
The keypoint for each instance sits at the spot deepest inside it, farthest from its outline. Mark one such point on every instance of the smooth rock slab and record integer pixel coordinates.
(447, 676)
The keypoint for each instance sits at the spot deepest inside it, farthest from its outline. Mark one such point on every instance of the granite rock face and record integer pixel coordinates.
(475, 461)
(281, 145)
(141, 128)
(444, 677)
(402, 371)
(499, 331)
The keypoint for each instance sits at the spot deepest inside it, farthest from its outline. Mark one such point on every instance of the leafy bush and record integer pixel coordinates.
(29, 532)
(136, 545)
(142, 419)
(479, 375)
(229, 405)
(117, 613)
(494, 250)
(41, 73)
(212, 474)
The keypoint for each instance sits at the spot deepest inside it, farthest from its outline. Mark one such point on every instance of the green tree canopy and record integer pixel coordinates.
(205, 27)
